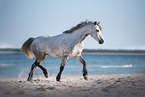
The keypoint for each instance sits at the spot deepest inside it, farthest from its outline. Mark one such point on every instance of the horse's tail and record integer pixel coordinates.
(26, 48)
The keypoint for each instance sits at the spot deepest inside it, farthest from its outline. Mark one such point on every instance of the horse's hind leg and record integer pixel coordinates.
(85, 72)
(41, 67)
(33, 67)
(44, 70)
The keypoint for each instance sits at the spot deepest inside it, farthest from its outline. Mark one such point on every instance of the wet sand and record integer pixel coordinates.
(117, 85)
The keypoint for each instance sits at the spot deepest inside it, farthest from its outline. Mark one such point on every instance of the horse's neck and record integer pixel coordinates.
(82, 33)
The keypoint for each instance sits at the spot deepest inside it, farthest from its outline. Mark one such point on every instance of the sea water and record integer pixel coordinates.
(16, 65)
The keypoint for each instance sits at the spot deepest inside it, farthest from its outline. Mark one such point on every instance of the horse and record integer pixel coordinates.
(66, 45)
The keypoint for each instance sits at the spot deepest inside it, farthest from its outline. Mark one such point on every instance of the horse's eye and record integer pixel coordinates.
(97, 30)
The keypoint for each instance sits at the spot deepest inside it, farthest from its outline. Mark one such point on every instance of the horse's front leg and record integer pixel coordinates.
(64, 59)
(85, 71)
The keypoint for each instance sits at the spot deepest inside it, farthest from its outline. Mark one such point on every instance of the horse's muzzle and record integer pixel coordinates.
(101, 41)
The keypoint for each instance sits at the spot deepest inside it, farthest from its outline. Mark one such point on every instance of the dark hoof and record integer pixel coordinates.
(29, 79)
(85, 77)
(46, 75)
(85, 74)
(57, 78)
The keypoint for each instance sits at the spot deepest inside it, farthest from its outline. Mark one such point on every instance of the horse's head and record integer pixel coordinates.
(96, 32)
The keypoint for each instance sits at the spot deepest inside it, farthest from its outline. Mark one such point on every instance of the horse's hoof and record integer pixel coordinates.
(29, 79)
(85, 77)
(46, 75)
(57, 78)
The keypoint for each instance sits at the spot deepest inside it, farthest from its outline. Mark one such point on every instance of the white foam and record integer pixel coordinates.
(122, 66)
(5, 64)
(20, 74)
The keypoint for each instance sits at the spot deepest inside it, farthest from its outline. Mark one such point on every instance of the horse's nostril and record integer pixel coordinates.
(101, 41)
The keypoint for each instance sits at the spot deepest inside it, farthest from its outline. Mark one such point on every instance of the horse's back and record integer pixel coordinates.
(38, 45)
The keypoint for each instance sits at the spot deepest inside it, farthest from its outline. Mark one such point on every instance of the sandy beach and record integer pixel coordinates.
(117, 85)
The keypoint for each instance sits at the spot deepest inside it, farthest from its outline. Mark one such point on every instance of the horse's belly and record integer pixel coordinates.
(61, 55)
(58, 52)
(53, 53)
(61, 51)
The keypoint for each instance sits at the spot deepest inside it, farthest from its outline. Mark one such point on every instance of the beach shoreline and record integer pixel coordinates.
(115, 53)
(85, 53)
(111, 85)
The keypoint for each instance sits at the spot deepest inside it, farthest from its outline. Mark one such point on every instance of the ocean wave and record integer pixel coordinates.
(3, 65)
(122, 66)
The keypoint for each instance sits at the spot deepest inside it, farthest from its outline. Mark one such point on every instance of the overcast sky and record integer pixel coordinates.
(123, 21)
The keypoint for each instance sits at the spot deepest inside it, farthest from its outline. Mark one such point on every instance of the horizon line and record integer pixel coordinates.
(86, 48)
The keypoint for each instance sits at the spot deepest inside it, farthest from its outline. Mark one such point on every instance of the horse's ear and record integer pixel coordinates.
(95, 23)
(87, 21)
(98, 22)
